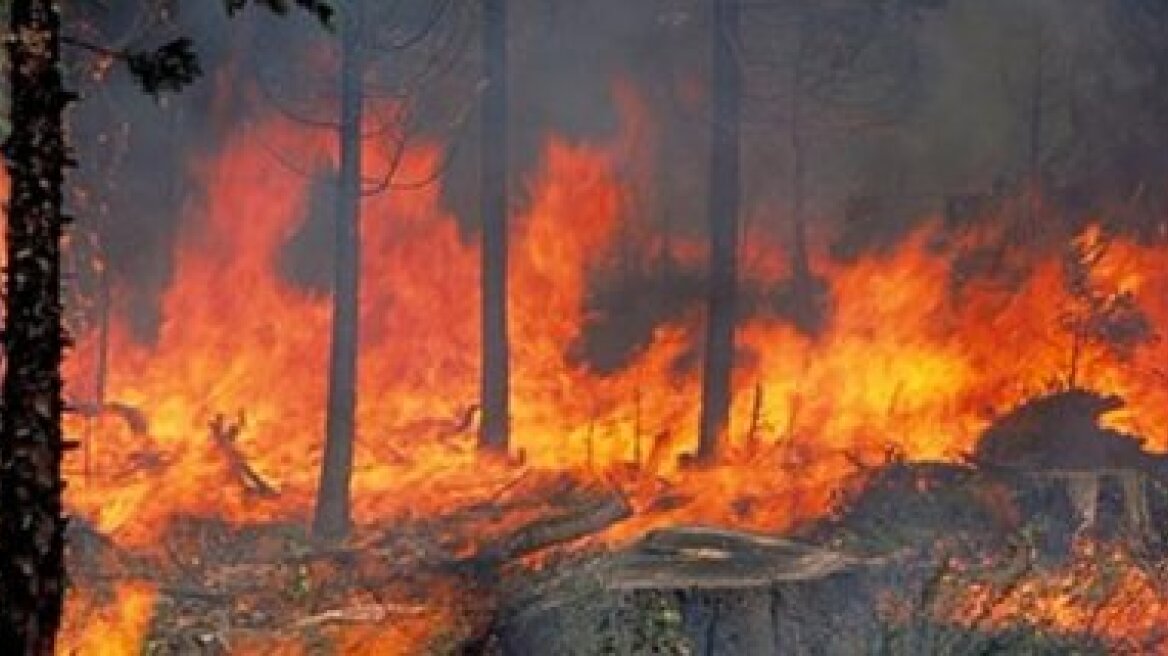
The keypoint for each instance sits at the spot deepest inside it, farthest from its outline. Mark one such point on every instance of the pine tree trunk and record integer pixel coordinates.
(332, 517)
(805, 313)
(32, 525)
(1035, 181)
(800, 262)
(724, 199)
(494, 430)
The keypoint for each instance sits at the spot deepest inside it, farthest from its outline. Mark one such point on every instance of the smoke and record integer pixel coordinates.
(966, 129)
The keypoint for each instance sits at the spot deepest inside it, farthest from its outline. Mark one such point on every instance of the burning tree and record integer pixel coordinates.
(818, 70)
(1046, 70)
(845, 66)
(1120, 99)
(372, 65)
(1098, 318)
(495, 356)
(32, 523)
(332, 508)
(724, 200)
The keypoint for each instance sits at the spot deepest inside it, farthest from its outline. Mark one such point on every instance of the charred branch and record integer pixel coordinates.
(546, 533)
(223, 434)
(134, 418)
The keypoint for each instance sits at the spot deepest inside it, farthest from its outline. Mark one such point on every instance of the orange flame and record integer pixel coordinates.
(107, 629)
(906, 363)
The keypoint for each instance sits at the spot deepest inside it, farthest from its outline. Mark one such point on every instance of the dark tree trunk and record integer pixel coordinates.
(332, 502)
(795, 138)
(495, 391)
(800, 263)
(1035, 179)
(807, 315)
(32, 525)
(805, 312)
(724, 198)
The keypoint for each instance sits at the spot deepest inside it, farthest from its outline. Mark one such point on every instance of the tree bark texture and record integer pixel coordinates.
(495, 385)
(724, 200)
(332, 517)
(32, 523)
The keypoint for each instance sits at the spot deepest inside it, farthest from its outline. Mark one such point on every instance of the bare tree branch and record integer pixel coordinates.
(431, 23)
(387, 182)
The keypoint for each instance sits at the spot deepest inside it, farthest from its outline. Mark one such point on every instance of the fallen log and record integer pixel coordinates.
(586, 515)
(719, 559)
(678, 539)
(545, 533)
(135, 418)
(371, 613)
(444, 430)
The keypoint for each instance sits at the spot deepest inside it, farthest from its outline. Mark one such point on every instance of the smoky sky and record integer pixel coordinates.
(977, 67)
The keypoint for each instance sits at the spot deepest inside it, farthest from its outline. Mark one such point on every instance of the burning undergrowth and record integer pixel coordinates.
(862, 437)
(916, 557)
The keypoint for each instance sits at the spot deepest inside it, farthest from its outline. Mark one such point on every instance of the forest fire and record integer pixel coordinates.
(907, 366)
(329, 405)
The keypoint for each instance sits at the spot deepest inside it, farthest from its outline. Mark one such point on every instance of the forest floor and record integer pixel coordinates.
(952, 558)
